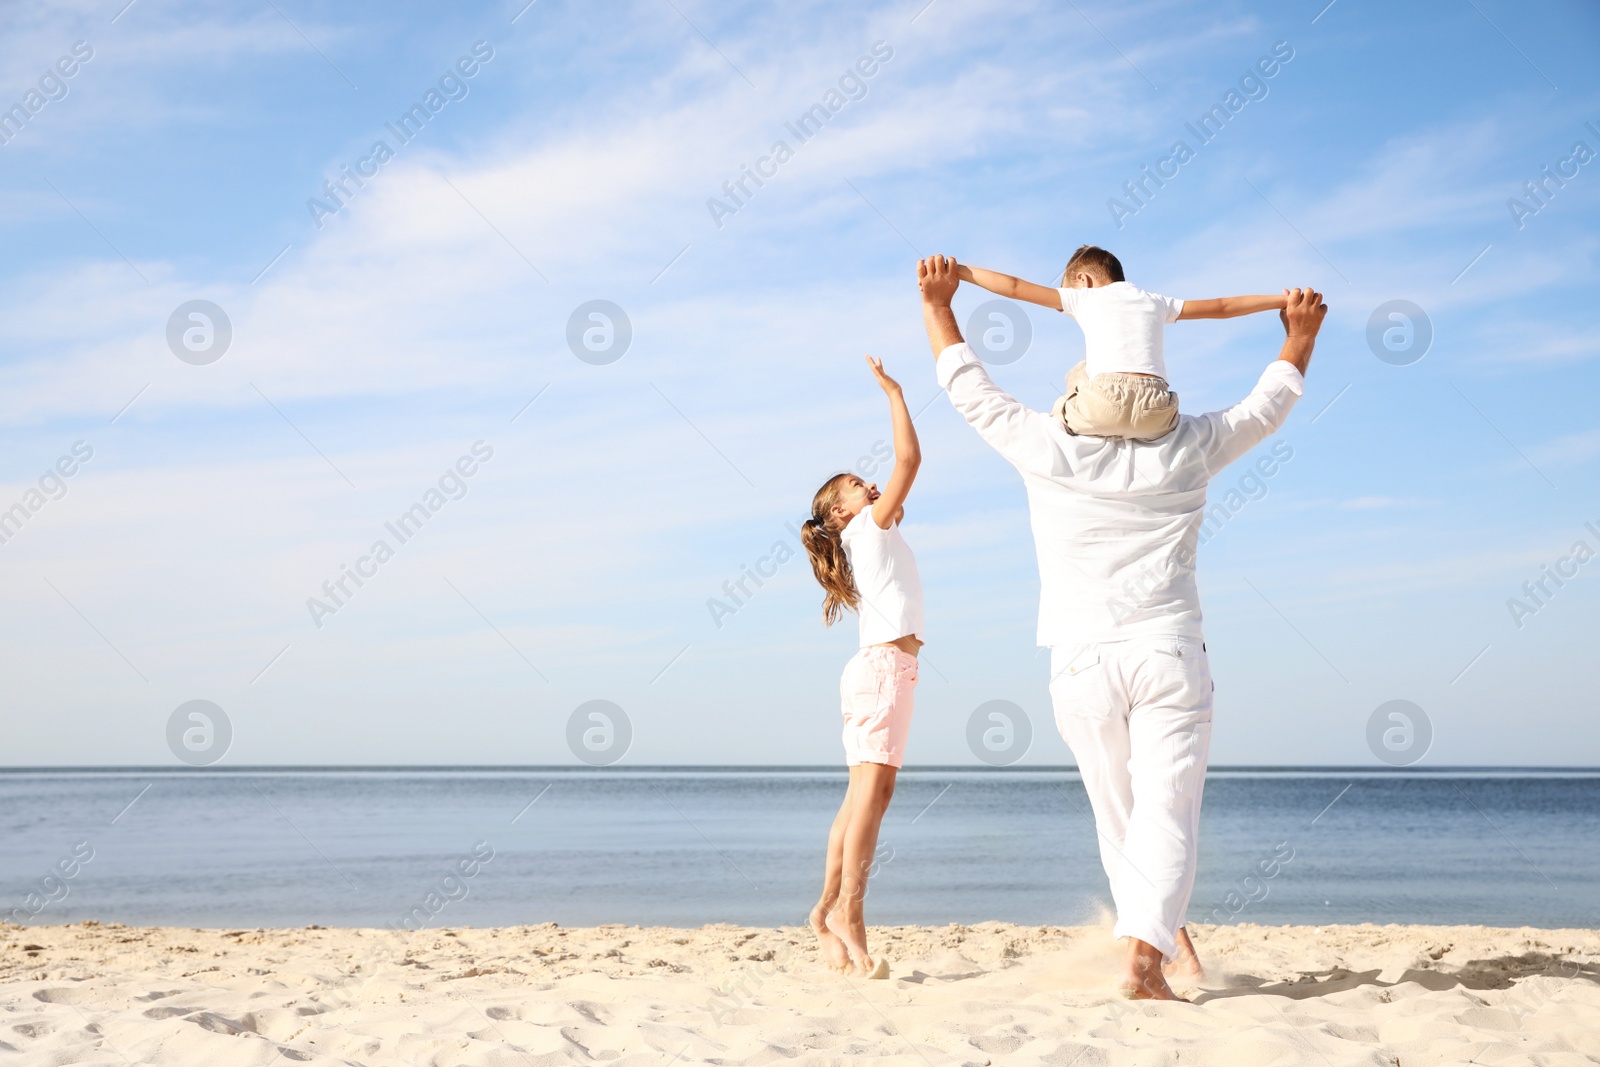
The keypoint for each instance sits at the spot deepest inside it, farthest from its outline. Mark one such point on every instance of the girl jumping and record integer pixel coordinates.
(864, 565)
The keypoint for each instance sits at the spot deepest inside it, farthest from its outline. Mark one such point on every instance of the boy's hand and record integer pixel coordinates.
(1303, 313)
(937, 277)
(886, 383)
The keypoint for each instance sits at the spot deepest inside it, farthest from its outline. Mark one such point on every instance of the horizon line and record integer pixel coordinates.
(1308, 768)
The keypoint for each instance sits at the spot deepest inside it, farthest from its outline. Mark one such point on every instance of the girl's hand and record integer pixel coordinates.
(886, 383)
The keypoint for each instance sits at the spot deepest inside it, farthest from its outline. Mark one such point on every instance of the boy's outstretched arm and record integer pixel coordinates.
(1008, 286)
(1230, 307)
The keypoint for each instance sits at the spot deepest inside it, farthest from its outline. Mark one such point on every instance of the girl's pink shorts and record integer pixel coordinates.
(876, 694)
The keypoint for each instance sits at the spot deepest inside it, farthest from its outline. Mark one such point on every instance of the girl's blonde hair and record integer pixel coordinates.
(820, 536)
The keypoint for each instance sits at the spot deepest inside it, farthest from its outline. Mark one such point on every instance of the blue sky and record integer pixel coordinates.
(371, 352)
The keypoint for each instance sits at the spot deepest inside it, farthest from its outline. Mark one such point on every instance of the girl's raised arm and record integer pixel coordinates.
(890, 505)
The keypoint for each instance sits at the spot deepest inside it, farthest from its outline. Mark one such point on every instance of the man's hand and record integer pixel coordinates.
(1303, 315)
(938, 278)
(1301, 318)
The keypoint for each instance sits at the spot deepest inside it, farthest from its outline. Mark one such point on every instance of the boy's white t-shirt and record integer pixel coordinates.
(886, 577)
(1122, 327)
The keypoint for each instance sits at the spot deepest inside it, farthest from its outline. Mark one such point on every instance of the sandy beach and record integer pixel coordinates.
(992, 993)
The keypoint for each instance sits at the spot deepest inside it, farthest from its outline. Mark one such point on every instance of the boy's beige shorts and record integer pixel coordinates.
(1117, 405)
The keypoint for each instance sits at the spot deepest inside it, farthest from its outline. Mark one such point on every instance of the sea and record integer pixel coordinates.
(686, 846)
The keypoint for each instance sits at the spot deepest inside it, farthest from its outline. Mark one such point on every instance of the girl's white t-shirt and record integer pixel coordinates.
(886, 577)
(1122, 327)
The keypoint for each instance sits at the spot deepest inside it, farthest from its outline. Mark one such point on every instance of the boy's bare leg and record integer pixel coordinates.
(871, 788)
(1141, 974)
(834, 954)
(1186, 961)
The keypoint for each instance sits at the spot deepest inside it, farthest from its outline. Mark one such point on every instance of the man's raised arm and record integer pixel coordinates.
(1301, 321)
(1227, 435)
(937, 278)
(1019, 434)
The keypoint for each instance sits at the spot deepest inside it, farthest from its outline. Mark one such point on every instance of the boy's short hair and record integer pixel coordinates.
(1092, 259)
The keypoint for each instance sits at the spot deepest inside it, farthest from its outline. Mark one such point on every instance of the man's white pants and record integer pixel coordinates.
(1137, 715)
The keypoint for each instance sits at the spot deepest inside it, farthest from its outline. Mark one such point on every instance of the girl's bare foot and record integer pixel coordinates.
(854, 937)
(1141, 976)
(834, 953)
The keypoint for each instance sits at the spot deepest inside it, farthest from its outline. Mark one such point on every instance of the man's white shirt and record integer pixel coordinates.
(1116, 523)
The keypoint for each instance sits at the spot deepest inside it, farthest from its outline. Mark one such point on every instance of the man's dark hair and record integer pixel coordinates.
(1092, 259)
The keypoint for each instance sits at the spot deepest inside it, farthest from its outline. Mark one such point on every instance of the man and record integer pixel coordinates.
(1115, 525)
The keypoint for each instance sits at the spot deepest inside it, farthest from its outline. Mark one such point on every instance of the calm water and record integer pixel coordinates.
(685, 847)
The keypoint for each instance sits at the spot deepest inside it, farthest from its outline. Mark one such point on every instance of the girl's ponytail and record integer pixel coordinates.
(820, 536)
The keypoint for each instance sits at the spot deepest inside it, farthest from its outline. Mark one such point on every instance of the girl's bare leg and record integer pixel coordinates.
(871, 788)
(834, 953)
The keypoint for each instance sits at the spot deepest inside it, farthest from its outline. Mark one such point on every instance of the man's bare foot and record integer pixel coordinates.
(834, 954)
(1185, 965)
(1148, 987)
(854, 937)
(1141, 976)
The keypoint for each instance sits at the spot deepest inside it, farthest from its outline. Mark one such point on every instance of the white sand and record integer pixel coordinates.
(991, 993)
